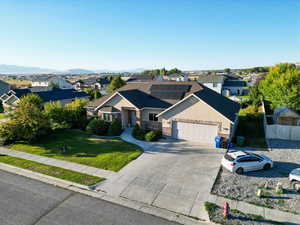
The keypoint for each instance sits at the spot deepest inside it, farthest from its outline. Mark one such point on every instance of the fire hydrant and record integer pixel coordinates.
(226, 210)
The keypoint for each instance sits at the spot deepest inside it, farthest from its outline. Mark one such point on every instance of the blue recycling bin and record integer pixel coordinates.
(218, 141)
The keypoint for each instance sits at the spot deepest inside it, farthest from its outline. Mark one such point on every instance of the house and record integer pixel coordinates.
(98, 83)
(50, 81)
(234, 87)
(144, 78)
(286, 116)
(176, 77)
(65, 96)
(214, 82)
(4, 87)
(183, 110)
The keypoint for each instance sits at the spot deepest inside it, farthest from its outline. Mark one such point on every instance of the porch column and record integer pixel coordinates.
(139, 117)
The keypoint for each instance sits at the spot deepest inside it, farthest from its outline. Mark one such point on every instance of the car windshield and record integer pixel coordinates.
(228, 157)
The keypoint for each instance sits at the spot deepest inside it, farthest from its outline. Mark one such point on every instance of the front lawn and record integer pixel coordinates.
(53, 171)
(81, 147)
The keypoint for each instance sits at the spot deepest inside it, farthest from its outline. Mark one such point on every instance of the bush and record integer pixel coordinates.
(150, 136)
(153, 135)
(138, 132)
(115, 128)
(97, 126)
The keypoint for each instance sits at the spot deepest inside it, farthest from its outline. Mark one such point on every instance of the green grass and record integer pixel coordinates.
(53, 171)
(2, 116)
(108, 154)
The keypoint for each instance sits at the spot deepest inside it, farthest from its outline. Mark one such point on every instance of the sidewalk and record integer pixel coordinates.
(127, 136)
(60, 163)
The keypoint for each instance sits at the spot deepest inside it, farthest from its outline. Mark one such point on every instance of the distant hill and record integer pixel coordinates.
(14, 69)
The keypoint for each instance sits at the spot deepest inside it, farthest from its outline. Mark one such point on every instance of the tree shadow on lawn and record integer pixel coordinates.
(280, 169)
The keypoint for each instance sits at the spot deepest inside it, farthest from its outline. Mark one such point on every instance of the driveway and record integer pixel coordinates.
(173, 175)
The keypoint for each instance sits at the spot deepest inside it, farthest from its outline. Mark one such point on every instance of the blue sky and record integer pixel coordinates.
(128, 34)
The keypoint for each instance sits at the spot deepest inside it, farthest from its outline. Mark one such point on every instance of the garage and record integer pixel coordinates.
(196, 132)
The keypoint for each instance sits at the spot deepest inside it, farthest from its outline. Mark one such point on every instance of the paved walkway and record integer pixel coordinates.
(126, 136)
(60, 163)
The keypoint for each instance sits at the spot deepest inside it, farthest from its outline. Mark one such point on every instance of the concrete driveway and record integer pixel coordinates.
(172, 175)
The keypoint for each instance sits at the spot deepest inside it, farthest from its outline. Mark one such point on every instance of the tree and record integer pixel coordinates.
(97, 126)
(255, 95)
(76, 113)
(56, 114)
(115, 84)
(27, 122)
(94, 94)
(115, 128)
(282, 86)
(227, 70)
(174, 70)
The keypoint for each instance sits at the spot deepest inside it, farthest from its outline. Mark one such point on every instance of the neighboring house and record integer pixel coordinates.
(286, 116)
(11, 98)
(234, 87)
(183, 110)
(144, 78)
(4, 87)
(214, 82)
(100, 84)
(51, 82)
(176, 77)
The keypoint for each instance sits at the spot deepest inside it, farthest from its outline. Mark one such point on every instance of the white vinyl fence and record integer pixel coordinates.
(276, 131)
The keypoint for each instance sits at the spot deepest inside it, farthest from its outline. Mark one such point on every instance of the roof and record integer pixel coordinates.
(40, 88)
(54, 95)
(234, 83)
(220, 103)
(93, 80)
(3, 82)
(211, 79)
(153, 94)
(141, 78)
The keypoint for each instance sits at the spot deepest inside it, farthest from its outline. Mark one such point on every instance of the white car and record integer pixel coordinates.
(294, 178)
(240, 162)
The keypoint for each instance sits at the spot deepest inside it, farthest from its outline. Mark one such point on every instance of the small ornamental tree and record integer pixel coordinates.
(97, 126)
(28, 122)
(76, 113)
(115, 128)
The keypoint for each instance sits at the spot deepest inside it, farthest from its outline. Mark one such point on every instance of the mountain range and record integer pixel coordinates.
(14, 69)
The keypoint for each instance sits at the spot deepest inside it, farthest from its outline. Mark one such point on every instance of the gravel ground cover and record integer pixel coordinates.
(286, 157)
(236, 217)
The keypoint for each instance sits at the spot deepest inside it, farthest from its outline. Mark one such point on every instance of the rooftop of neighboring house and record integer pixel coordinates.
(4, 83)
(177, 75)
(53, 95)
(213, 78)
(93, 80)
(165, 94)
(234, 83)
(141, 78)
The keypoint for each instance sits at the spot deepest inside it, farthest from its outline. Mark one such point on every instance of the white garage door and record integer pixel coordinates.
(195, 132)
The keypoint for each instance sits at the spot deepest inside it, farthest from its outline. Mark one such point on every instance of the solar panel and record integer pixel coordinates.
(169, 91)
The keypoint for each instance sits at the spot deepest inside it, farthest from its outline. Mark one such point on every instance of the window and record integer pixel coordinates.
(106, 116)
(153, 117)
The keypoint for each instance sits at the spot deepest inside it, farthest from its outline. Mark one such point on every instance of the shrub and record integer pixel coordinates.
(97, 126)
(150, 136)
(138, 132)
(115, 128)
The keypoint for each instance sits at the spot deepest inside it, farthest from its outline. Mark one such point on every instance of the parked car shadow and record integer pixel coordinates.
(284, 144)
(280, 169)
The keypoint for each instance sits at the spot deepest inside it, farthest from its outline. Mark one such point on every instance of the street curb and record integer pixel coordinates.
(154, 211)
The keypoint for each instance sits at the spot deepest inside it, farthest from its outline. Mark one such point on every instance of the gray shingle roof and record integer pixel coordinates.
(211, 79)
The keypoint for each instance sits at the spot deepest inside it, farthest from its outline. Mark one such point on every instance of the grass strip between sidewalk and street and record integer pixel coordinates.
(53, 171)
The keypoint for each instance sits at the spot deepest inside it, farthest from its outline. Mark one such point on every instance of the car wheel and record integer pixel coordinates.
(240, 170)
(267, 166)
(296, 185)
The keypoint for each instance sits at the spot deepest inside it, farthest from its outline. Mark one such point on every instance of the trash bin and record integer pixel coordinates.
(230, 145)
(240, 140)
(218, 141)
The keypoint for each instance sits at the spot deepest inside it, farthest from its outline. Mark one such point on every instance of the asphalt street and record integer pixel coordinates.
(24, 201)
